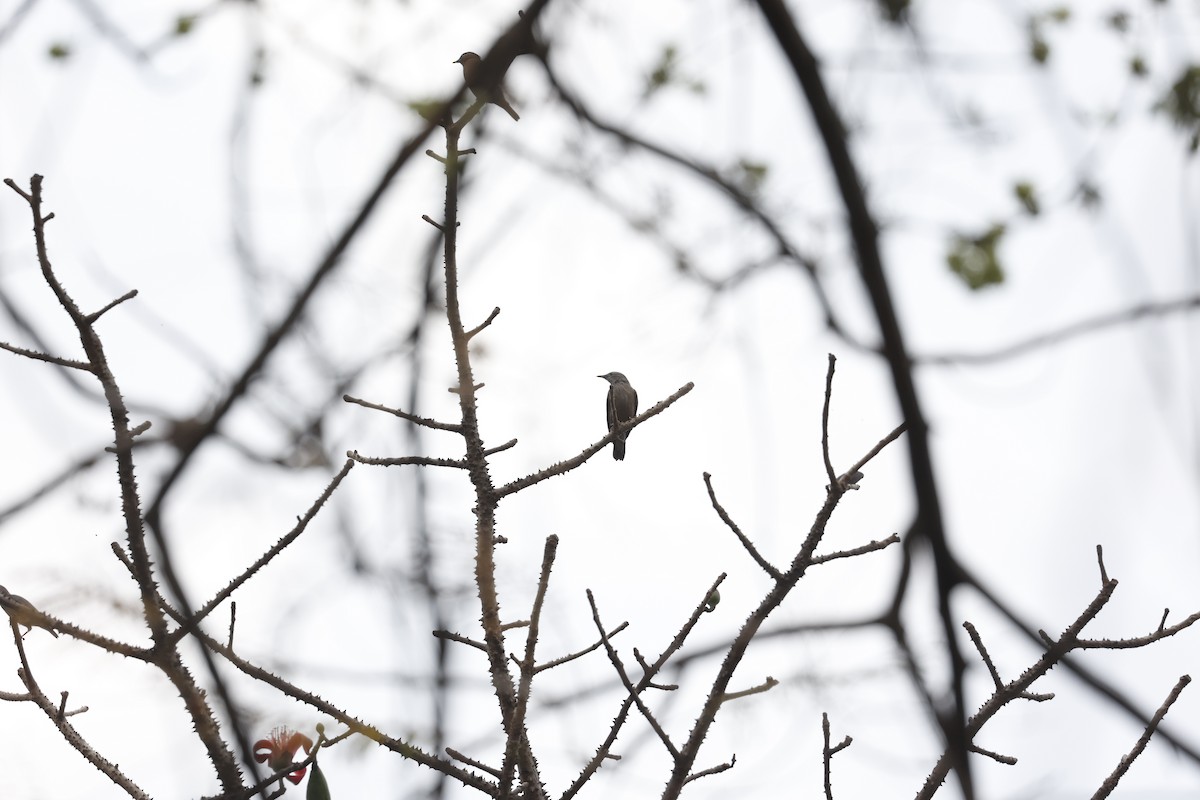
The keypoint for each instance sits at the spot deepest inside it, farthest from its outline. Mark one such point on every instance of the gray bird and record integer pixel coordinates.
(622, 407)
(23, 612)
(495, 95)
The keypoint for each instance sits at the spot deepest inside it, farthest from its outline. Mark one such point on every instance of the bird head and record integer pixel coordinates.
(470, 62)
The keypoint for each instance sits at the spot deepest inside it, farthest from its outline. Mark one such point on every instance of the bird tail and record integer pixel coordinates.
(619, 449)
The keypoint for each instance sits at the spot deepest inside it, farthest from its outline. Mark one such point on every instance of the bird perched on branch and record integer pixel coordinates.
(622, 407)
(23, 612)
(475, 80)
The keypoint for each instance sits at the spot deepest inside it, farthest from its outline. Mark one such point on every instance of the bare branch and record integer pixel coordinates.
(495, 773)
(1111, 782)
(1066, 333)
(983, 653)
(95, 315)
(1055, 650)
(603, 751)
(825, 422)
(590, 648)
(634, 691)
(869, 547)
(454, 463)
(46, 357)
(471, 333)
(57, 715)
(571, 463)
(874, 451)
(766, 686)
(1138, 641)
(997, 757)
(428, 423)
(746, 543)
(265, 558)
(828, 753)
(704, 773)
(527, 664)
(511, 443)
(458, 637)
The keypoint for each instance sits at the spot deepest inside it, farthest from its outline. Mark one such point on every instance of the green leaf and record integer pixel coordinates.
(428, 108)
(1039, 48)
(749, 176)
(974, 258)
(713, 600)
(666, 73)
(1182, 101)
(59, 51)
(1027, 197)
(184, 24)
(663, 71)
(318, 789)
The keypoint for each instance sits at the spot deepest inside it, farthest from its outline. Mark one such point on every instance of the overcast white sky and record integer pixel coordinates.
(1038, 458)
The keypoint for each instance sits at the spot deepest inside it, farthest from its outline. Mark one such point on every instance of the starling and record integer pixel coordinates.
(470, 64)
(622, 407)
(23, 612)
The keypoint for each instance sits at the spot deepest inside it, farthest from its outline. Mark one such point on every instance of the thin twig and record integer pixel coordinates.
(527, 664)
(1111, 782)
(983, 653)
(829, 473)
(997, 757)
(425, 461)
(634, 691)
(572, 656)
(718, 769)
(746, 543)
(874, 451)
(495, 773)
(827, 754)
(428, 423)
(472, 333)
(95, 315)
(1066, 333)
(869, 547)
(46, 357)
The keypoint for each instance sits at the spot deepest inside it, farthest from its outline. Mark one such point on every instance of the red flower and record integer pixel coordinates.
(279, 750)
